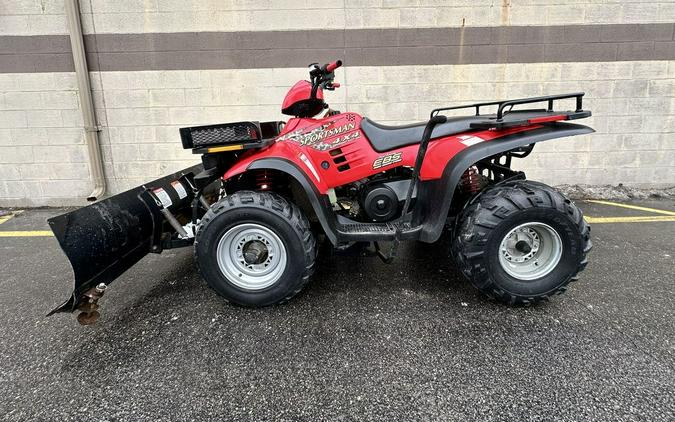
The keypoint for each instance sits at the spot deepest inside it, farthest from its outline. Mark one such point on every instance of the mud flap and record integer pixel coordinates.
(105, 239)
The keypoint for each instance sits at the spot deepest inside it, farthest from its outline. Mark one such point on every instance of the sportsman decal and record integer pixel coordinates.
(317, 138)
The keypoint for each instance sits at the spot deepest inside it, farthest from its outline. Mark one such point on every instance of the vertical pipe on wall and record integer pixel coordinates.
(86, 101)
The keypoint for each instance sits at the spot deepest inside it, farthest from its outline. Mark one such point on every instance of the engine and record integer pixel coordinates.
(377, 199)
(383, 201)
(381, 198)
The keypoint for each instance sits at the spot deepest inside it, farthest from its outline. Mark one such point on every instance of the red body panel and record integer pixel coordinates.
(299, 93)
(323, 148)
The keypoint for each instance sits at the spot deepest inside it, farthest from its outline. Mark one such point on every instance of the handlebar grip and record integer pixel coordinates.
(336, 85)
(334, 65)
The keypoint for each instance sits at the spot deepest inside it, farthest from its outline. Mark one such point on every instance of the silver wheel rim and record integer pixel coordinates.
(530, 251)
(251, 256)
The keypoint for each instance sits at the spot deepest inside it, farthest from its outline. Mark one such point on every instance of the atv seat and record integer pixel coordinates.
(384, 138)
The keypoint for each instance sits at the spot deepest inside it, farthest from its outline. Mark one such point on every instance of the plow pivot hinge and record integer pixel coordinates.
(89, 306)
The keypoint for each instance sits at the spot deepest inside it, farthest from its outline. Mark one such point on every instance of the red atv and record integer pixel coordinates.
(265, 192)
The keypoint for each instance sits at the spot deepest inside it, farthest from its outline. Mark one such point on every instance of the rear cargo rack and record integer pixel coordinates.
(229, 136)
(507, 117)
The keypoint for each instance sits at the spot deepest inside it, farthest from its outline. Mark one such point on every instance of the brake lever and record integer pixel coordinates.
(330, 86)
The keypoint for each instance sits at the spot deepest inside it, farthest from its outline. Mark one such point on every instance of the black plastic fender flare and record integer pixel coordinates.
(436, 195)
(319, 202)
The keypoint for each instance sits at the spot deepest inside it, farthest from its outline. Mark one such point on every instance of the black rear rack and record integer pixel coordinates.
(507, 117)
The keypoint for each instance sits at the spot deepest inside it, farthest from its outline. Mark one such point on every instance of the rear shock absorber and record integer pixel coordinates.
(470, 182)
(264, 180)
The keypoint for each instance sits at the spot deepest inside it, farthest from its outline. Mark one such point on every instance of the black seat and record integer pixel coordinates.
(384, 138)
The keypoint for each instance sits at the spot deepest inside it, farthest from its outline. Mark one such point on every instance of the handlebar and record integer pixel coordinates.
(330, 67)
(323, 77)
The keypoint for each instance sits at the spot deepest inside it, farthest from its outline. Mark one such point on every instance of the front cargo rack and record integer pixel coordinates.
(507, 117)
(229, 136)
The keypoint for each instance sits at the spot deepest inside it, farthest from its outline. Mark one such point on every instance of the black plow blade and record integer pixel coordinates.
(105, 239)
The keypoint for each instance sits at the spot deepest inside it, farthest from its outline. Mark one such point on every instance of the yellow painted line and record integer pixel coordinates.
(641, 219)
(632, 207)
(26, 233)
(9, 216)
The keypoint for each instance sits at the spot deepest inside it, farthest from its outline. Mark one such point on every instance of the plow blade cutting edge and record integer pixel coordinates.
(105, 239)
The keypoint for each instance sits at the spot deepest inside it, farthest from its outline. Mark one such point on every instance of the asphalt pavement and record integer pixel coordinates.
(364, 341)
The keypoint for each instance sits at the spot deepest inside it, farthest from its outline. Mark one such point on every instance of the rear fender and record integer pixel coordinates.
(436, 195)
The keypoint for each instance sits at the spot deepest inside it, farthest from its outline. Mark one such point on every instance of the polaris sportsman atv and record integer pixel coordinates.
(265, 192)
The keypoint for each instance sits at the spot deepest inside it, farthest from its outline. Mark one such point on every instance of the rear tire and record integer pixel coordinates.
(521, 242)
(255, 248)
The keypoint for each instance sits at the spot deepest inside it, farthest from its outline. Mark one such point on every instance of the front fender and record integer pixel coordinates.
(320, 202)
(286, 152)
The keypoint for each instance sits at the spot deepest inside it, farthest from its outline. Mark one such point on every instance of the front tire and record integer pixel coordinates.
(521, 242)
(255, 248)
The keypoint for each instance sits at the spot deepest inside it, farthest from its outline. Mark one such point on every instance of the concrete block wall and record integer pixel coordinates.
(32, 17)
(42, 154)
(633, 106)
(158, 65)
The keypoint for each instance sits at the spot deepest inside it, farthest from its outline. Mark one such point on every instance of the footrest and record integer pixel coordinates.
(365, 232)
(368, 228)
(369, 232)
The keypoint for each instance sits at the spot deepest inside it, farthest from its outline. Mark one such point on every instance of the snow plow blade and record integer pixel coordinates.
(105, 239)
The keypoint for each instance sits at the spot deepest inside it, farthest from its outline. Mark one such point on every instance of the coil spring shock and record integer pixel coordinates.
(264, 180)
(470, 182)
